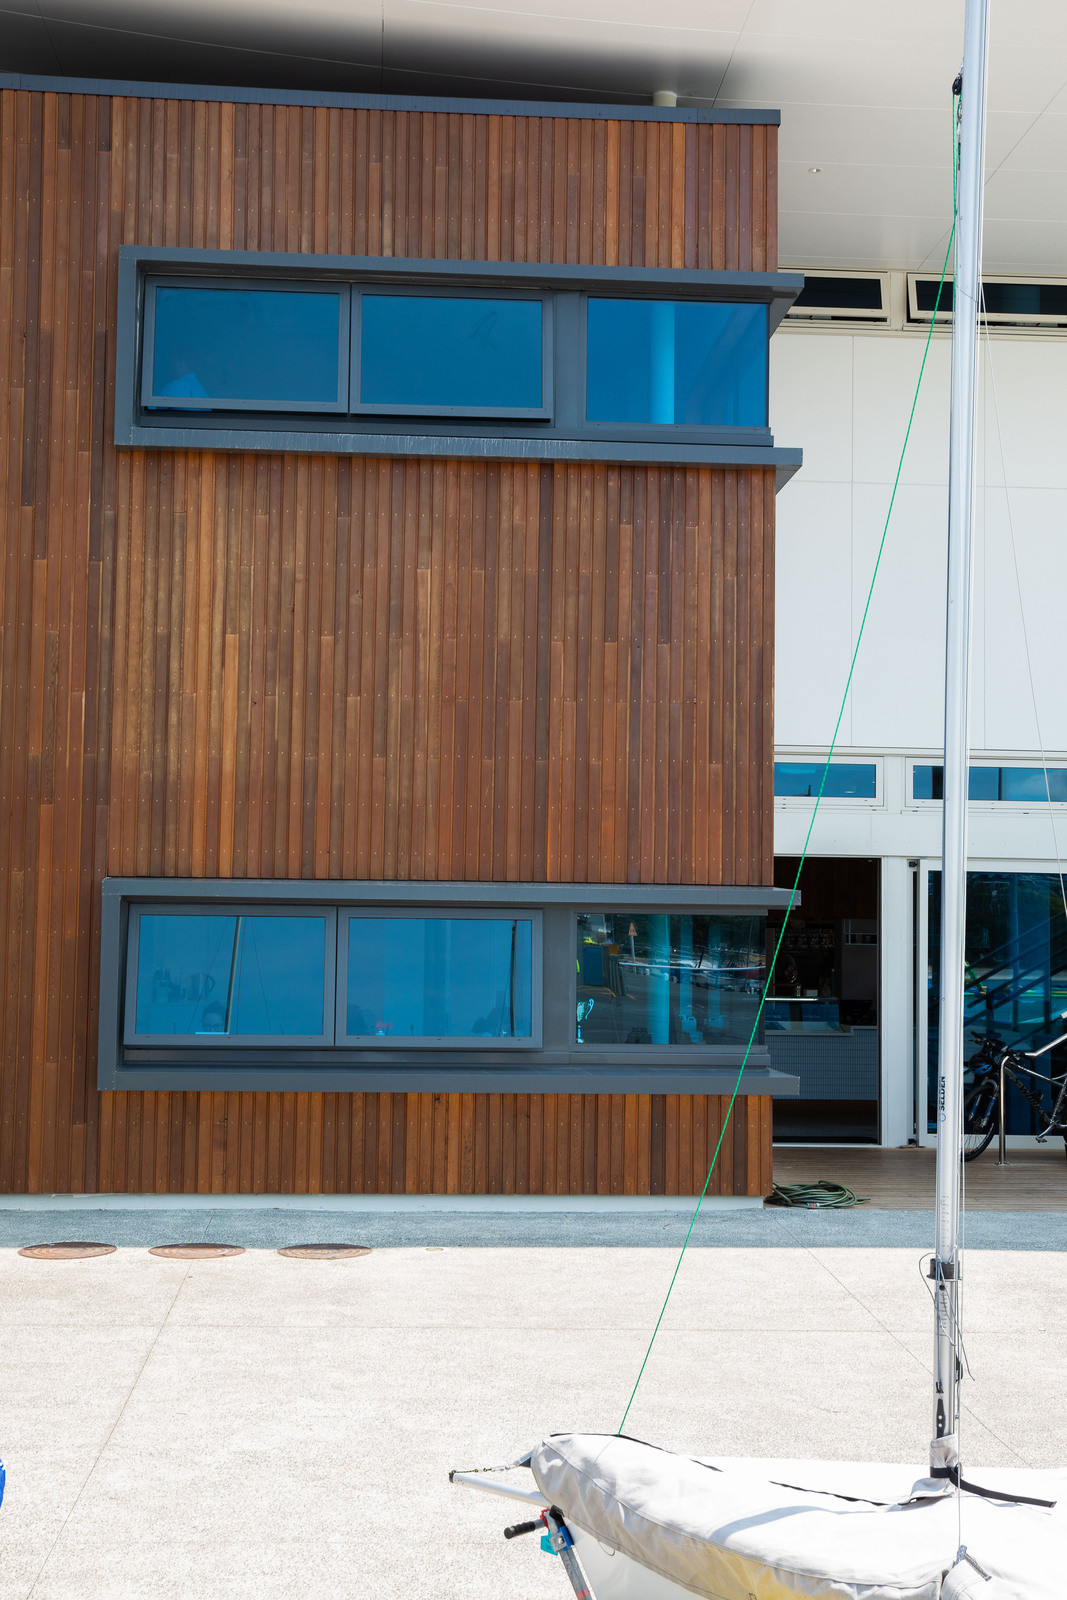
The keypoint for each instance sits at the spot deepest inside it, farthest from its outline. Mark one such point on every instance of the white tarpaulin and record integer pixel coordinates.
(778, 1530)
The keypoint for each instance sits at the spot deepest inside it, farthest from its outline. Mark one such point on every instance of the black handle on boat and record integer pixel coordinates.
(522, 1527)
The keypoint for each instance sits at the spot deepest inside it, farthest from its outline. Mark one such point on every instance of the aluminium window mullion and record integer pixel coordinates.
(355, 347)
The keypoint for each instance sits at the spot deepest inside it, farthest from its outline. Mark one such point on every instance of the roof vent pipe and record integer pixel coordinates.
(664, 97)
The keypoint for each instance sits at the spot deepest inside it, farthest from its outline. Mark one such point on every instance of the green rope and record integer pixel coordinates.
(818, 797)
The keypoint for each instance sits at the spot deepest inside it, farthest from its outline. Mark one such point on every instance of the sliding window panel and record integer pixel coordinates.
(842, 780)
(239, 345)
(448, 978)
(1030, 786)
(676, 362)
(452, 355)
(207, 977)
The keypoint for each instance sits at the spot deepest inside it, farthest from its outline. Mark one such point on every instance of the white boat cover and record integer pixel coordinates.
(762, 1530)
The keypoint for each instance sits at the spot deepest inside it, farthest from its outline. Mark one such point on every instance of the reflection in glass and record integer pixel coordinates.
(431, 350)
(1018, 784)
(246, 344)
(845, 780)
(659, 979)
(1015, 983)
(685, 361)
(202, 974)
(439, 977)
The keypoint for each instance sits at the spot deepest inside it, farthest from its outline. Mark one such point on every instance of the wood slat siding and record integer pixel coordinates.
(264, 665)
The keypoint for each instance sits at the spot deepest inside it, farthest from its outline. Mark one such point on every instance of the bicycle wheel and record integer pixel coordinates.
(979, 1107)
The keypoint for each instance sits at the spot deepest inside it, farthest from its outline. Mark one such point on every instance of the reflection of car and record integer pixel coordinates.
(703, 977)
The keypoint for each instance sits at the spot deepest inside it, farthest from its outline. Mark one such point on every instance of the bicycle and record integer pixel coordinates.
(981, 1099)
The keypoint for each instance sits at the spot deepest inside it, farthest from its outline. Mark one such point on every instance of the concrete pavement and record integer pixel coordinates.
(270, 1428)
(267, 1227)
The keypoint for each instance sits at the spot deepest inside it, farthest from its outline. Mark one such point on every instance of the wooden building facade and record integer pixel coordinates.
(361, 666)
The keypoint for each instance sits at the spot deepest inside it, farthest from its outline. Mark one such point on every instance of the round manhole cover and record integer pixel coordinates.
(72, 1250)
(196, 1252)
(324, 1252)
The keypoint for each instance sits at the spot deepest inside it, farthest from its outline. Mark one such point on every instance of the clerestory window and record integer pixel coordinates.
(228, 349)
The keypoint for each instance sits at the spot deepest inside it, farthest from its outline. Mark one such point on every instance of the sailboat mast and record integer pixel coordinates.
(966, 298)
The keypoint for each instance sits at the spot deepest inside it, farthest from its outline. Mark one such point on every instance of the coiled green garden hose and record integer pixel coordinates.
(821, 1196)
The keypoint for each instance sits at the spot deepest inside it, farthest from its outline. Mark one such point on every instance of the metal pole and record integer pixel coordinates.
(944, 1450)
(1002, 1138)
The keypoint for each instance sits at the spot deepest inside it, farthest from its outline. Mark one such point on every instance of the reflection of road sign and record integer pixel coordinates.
(632, 933)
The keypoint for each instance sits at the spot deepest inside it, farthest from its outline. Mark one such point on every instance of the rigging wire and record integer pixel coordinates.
(818, 798)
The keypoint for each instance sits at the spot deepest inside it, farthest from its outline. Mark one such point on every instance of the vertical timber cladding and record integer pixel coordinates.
(264, 665)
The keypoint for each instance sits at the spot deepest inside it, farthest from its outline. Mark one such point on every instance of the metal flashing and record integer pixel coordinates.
(355, 892)
(583, 110)
(580, 1078)
(482, 447)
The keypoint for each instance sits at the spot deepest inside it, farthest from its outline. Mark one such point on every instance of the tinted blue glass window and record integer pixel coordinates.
(432, 350)
(676, 361)
(439, 977)
(1028, 783)
(246, 345)
(845, 780)
(1015, 978)
(230, 976)
(659, 980)
(1018, 784)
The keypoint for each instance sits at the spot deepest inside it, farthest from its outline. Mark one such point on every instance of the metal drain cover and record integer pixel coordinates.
(73, 1250)
(196, 1252)
(324, 1252)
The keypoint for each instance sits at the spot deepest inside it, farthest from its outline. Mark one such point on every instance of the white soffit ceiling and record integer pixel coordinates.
(863, 88)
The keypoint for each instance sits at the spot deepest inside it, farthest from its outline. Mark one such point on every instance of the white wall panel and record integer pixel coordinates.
(898, 687)
(845, 399)
(886, 371)
(1037, 597)
(811, 403)
(1027, 378)
(813, 604)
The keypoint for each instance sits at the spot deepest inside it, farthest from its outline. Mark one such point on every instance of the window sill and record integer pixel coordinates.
(184, 434)
(554, 1073)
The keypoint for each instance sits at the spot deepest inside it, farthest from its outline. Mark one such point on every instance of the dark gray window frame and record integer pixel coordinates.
(467, 1042)
(563, 436)
(558, 1065)
(229, 1042)
(194, 404)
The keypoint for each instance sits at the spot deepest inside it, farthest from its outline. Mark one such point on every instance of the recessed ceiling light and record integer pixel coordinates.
(814, 169)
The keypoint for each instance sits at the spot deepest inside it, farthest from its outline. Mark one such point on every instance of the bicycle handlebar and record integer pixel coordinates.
(1033, 1054)
(987, 1040)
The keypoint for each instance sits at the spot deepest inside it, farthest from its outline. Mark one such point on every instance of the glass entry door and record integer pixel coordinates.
(1015, 981)
(822, 1012)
